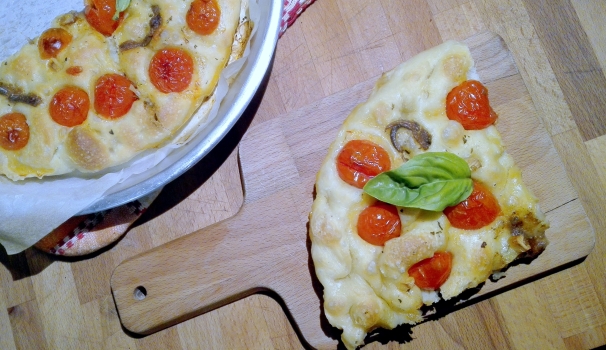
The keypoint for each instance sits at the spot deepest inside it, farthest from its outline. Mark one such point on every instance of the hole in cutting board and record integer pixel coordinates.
(140, 293)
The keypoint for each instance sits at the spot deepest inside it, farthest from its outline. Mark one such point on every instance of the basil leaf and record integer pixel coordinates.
(121, 6)
(430, 181)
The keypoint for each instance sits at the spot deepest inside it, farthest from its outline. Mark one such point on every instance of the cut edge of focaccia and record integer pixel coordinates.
(241, 39)
(366, 286)
(81, 151)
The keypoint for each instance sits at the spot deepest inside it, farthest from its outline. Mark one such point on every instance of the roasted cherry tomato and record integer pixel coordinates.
(69, 106)
(203, 16)
(14, 131)
(468, 104)
(478, 210)
(360, 161)
(113, 96)
(100, 13)
(379, 223)
(432, 272)
(53, 41)
(171, 70)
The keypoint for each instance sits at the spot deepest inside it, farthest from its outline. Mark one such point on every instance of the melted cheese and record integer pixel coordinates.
(153, 119)
(366, 286)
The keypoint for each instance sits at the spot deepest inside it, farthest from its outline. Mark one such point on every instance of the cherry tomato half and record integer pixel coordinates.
(53, 41)
(478, 210)
(99, 14)
(171, 70)
(379, 223)
(14, 131)
(69, 106)
(468, 104)
(113, 96)
(432, 272)
(360, 161)
(203, 16)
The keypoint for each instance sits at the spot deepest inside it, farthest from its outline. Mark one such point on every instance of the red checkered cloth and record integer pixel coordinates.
(85, 234)
(292, 10)
(81, 235)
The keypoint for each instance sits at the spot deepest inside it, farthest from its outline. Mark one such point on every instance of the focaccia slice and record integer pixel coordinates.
(366, 285)
(87, 57)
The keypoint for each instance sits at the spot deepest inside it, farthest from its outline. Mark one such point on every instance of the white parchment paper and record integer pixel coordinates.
(30, 209)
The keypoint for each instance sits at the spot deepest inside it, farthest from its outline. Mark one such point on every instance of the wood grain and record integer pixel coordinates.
(564, 310)
(575, 64)
(266, 240)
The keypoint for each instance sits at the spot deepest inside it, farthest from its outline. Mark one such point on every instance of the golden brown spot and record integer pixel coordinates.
(456, 67)
(86, 150)
(401, 253)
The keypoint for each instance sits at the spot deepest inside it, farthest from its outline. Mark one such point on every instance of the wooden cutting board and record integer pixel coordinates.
(265, 246)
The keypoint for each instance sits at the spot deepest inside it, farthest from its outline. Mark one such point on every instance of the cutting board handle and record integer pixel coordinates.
(252, 251)
(187, 276)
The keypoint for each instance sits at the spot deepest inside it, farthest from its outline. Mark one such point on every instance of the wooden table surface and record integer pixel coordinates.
(558, 45)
